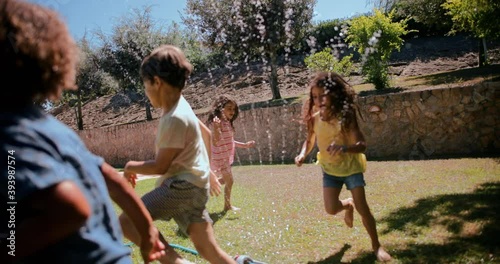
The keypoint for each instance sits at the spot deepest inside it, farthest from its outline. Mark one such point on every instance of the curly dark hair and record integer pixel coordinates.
(341, 95)
(217, 107)
(39, 56)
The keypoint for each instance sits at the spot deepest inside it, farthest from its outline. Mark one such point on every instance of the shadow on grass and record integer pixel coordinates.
(472, 220)
(489, 73)
(216, 216)
(335, 258)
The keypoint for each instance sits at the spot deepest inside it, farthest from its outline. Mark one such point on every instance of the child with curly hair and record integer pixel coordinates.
(63, 210)
(341, 146)
(220, 120)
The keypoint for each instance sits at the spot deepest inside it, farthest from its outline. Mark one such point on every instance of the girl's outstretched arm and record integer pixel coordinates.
(215, 187)
(248, 144)
(307, 146)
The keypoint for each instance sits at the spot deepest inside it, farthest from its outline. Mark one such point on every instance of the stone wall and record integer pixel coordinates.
(404, 126)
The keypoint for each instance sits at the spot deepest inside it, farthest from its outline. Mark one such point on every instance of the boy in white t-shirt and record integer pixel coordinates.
(181, 158)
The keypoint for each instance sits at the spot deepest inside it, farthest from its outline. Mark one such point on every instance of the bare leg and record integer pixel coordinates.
(228, 180)
(363, 209)
(202, 235)
(130, 232)
(334, 206)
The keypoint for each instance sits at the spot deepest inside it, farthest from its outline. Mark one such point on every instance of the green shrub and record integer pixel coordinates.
(326, 61)
(375, 37)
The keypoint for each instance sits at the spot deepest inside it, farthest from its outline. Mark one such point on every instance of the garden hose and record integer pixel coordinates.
(189, 250)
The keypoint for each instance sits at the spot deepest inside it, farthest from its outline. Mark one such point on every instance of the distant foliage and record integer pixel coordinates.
(250, 29)
(375, 37)
(479, 17)
(427, 16)
(328, 33)
(326, 61)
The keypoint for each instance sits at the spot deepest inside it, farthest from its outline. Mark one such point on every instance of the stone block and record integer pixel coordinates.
(466, 99)
(420, 106)
(424, 95)
(431, 115)
(410, 113)
(489, 120)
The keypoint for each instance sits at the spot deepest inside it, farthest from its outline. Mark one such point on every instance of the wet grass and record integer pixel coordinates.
(435, 211)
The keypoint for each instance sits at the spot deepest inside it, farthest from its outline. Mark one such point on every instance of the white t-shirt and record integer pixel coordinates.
(180, 129)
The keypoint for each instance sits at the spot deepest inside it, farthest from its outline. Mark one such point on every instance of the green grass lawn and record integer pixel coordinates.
(435, 211)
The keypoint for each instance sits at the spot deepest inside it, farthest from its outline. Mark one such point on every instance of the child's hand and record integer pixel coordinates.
(131, 177)
(335, 149)
(152, 248)
(216, 121)
(299, 160)
(250, 144)
(215, 187)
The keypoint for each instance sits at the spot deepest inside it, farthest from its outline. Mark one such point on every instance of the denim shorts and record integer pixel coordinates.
(351, 181)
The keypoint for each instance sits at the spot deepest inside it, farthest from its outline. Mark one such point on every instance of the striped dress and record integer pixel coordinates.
(223, 152)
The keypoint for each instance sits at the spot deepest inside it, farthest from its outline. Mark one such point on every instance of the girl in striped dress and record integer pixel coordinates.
(220, 121)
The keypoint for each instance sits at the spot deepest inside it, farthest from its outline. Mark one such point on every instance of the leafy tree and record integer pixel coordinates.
(428, 17)
(91, 80)
(375, 37)
(325, 60)
(479, 17)
(383, 5)
(133, 38)
(430, 14)
(246, 30)
(328, 33)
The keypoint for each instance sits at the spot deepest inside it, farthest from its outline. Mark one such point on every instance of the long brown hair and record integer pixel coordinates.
(218, 106)
(341, 95)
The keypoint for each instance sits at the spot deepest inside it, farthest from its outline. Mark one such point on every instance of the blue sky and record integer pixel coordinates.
(89, 15)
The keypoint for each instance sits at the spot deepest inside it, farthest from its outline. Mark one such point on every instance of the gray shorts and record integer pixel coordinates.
(180, 200)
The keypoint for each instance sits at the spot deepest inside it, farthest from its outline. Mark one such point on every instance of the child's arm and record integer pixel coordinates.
(216, 130)
(307, 146)
(158, 166)
(248, 144)
(355, 141)
(215, 187)
(125, 197)
(61, 211)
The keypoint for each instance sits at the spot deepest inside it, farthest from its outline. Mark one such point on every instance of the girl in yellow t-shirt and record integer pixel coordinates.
(331, 123)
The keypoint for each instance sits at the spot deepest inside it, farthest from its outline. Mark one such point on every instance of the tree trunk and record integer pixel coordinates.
(483, 53)
(273, 79)
(149, 117)
(79, 117)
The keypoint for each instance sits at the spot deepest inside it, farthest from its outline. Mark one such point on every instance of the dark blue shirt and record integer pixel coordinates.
(47, 152)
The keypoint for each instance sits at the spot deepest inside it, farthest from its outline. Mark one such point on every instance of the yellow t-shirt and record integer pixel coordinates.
(343, 164)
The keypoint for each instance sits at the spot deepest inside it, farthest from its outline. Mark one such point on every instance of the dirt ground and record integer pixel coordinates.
(248, 83)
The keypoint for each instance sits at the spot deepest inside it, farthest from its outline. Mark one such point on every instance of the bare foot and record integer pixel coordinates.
(234, 208)
(349, 213)
(382, 255)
